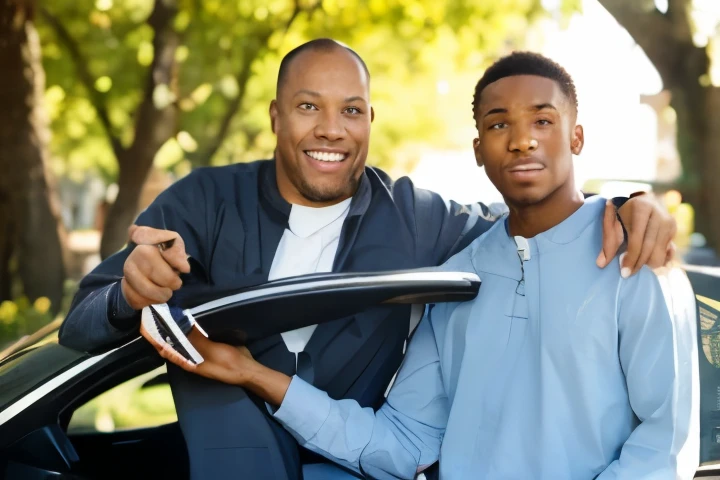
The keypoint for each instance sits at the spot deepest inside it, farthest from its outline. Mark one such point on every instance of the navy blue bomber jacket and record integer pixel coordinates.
(232, 218)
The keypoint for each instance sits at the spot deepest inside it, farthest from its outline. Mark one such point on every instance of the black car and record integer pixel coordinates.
(69, 414)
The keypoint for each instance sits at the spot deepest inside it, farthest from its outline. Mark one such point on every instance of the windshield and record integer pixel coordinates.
(31, 362)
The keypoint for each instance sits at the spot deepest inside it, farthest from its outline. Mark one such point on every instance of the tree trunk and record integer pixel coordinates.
(707, 220)
(667, 41)
(698, 141)
(155, 124)
(31, 233)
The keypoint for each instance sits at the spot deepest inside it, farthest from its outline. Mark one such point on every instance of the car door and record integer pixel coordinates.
(131, 426)
(706, 286)
(80, 416)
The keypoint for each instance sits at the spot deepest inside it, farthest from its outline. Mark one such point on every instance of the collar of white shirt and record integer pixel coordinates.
(305, 221)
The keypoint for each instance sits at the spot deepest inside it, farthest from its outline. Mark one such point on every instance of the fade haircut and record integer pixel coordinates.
(324, 45)
(526, 63)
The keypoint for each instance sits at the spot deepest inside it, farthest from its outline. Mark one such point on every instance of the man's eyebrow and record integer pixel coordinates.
(496, 110)
(315, 94)
(306, 92)
(538, 107)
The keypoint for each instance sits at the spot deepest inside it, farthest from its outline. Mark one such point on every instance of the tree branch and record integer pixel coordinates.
(155, 124)
(242, 78)
(666, 39)
(678, 14)
(85, 77)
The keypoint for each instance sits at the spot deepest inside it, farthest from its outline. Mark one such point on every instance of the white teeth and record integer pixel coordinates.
(326, 156)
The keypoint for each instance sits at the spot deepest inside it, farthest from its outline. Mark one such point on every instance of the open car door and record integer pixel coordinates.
(706, 286)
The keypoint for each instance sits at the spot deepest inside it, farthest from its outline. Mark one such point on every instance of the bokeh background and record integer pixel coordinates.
(104, 104)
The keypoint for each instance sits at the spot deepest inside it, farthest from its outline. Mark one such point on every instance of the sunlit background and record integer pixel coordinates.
(629, 125)
(122, 102)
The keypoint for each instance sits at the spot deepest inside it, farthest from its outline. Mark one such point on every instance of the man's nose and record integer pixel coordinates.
(521, 140)
(330, 126)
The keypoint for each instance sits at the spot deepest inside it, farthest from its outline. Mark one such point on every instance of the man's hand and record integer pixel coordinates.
(223, 362)
(650, 231)
(227, 364)
(151, 271)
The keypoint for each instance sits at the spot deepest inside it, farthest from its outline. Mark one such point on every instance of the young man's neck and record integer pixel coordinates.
(530, 220)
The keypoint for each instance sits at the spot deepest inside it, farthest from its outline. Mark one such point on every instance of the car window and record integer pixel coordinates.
(143, 401)
(32, 366)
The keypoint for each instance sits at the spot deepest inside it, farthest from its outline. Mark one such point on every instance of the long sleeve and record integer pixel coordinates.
(657, 354)
(99, 318)
(404, 435)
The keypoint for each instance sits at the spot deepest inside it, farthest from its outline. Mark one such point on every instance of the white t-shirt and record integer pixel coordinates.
(308, 246)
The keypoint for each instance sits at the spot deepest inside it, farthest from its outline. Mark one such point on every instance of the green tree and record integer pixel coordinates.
(669, 41)
(184, 83)
(31, 245)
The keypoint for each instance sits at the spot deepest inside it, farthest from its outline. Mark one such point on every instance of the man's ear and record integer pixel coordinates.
(578, 140)
(273, 115)
(476, 150)
(372, 114)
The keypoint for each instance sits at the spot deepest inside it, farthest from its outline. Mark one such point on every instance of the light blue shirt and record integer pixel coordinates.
(557, 370)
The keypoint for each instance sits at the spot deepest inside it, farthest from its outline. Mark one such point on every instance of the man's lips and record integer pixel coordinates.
(526, 169)
(526, 165)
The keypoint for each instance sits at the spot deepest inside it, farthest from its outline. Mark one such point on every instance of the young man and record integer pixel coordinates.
(557, 370)
(315, 207)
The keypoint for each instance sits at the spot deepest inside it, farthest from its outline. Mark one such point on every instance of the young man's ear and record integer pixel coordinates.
(372, 114)
(476, 150)
(273, 115)
(578, 140)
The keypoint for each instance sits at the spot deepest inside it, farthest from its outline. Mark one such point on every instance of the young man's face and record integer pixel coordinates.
(526, 138)
(322, 121)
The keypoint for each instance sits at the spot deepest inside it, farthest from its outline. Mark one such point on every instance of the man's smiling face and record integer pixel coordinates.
(322, 121)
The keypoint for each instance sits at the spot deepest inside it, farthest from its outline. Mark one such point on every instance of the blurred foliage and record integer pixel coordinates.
(415, 50)
(20, 317)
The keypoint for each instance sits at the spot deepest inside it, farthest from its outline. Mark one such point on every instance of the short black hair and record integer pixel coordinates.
(526, 63)
(316, 45)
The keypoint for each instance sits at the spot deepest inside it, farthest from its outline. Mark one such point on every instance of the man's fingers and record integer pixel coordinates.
(162, 274)
(612, 236)
(649, 244)
(151, 236)
(636, 235)
(672, 250)
(176, 256)
(170, 245)
(169, 354)
(140, 283)
(133, 297)
(663, 249)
